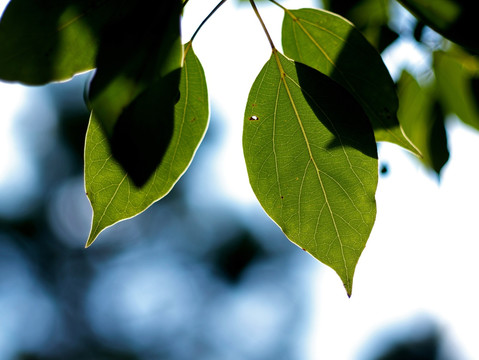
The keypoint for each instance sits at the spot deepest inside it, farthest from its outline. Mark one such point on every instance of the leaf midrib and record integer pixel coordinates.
(283, 76)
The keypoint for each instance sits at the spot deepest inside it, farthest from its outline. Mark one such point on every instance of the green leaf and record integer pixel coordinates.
(136, 81)
(455, 72)
(332, 45)
(423, 121)
(111, 191)
(371, 17)
(44, 41)
(454, 19)
(144, 129)
(311, 158)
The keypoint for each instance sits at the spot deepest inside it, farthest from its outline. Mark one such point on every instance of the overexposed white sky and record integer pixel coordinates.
(420, 260)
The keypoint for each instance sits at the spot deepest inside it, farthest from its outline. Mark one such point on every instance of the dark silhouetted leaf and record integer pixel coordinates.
(232, 259)
(418, 29)
(312, 162)
(386, 36)
(453, 19)
(44, 41)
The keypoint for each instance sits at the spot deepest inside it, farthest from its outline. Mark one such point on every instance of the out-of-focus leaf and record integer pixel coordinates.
(233, 258)
(418, 30)
(312, 162)
(454, 19)
(332, 45)
(136, 84)
(341, 7)
(44, 41)
(371, 18)
(423, 121)
(385, 37)
(111, 191)
(455, 71)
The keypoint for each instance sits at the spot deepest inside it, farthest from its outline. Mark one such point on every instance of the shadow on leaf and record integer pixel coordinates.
(337, 110)
(144, 130)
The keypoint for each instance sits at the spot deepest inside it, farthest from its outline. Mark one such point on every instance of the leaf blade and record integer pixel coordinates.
(422, 119)
(307, 167)
(332, 45)
(455, 73)
(135, 86)
(111, 191)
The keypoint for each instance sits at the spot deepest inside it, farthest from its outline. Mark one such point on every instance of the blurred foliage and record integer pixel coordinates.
(422, 344)
(52, 306)
(451, 18)
(371, 17)
(422, 118)
(446, 87)
(182, 289)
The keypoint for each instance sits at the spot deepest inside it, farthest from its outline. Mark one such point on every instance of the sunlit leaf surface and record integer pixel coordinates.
(332, 45)
(456, 76)
(312, 162)
(423, 121)
(112, 193)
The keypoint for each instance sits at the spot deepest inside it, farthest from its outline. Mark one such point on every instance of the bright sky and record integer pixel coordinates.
(11, 101)
(421, 259)
(14, 95)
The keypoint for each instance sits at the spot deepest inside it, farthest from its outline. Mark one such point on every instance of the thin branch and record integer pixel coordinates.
(276, 3)
(262, 24)
(207, 18)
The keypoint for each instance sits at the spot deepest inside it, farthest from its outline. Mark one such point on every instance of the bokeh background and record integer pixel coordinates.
(204, 273)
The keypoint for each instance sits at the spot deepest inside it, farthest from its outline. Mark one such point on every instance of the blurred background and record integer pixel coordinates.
(204, 273)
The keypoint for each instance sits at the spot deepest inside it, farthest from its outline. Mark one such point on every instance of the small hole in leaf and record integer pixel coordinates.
(254, 118)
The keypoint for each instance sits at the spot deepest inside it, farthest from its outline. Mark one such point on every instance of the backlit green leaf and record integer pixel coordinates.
(112, 193)
(43, 41)
(423, 121)
(332, 45)
(312, 162)
(455, 73)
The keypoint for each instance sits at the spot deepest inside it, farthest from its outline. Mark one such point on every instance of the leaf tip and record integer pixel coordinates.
(349, 288)
(347, 279)
(91, 238)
